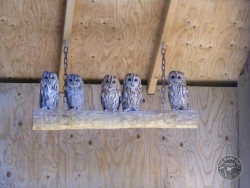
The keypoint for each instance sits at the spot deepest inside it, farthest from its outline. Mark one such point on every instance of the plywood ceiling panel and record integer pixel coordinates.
(208, 40)
(114, 37)
(30, 37)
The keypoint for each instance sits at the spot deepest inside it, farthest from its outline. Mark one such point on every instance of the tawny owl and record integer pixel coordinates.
(131, 93)
(110, 95)
(177, 91)
(49, 91)
(74, 92)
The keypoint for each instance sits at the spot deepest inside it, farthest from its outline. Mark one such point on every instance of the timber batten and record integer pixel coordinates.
(70, 120)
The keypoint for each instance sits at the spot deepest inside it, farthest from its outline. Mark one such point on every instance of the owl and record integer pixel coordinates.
(49, 91)
(111, 94)
(131, 93)
(74, 91)
(177, 91)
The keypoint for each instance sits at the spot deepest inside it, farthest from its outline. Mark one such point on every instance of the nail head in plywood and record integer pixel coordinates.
(69, 120)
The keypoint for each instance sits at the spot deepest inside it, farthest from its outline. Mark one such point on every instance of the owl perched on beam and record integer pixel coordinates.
(49, 91)
(74, 92)
(177, 91)
(132, 93)
(110, 95)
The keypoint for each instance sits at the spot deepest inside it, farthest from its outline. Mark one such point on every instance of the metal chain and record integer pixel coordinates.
(65, 73)
(163, 67)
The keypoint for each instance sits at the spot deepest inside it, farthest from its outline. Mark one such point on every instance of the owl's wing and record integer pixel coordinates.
(169, 91)
(120, 99)
(103, 98)
(42, 97)
(57, 91)
(82, 87)
(57, 94)
(81, 91)
(140, 92)
(67, 91)
(124, 96)
(55, 86)
(186, 93)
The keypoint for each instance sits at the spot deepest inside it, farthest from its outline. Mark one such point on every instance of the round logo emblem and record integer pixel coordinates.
(230, 167)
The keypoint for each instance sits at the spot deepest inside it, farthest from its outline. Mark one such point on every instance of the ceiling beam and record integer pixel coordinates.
(68, 20)
(167, 21)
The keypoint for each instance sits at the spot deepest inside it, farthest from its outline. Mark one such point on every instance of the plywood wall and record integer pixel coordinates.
(244, 124)
(116, 158)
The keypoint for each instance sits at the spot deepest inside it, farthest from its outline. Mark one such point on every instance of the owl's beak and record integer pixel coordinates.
(110, 85)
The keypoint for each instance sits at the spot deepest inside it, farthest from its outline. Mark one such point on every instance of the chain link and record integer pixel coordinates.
(163, 68)
(65, 73)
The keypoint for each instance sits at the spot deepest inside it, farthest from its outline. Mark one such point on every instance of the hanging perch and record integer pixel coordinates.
(68, 120)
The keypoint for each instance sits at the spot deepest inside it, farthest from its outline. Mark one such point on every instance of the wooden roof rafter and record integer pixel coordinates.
(67, 28)
(167, 21)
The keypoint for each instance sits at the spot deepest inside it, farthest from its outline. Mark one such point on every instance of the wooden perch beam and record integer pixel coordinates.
(68, 20)
(68, 120)
(167, 21)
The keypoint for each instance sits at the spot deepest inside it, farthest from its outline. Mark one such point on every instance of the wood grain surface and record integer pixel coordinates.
(114, 37)
(28, 158)
(208, 40)
(30, 37)
(67, 28)
(165, 29)
(117, 158)
(70, 120)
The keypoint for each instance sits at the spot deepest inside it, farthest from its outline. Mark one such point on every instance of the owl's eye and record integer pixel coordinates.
(46, 77)
(172, 76)
(77, 80)
(135, 80)
(52, 77)
(129, 79)
(113, 81)
(70, 79)
(179, 77)
(107, 81)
